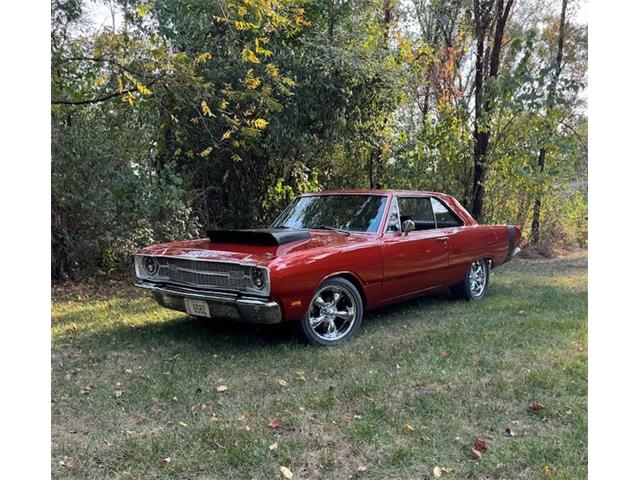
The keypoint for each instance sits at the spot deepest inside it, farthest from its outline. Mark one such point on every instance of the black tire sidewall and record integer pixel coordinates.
(308, 332)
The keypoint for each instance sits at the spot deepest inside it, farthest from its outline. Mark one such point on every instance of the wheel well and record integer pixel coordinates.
(356, 283)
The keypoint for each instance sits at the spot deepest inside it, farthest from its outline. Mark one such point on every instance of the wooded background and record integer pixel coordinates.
(180, 115)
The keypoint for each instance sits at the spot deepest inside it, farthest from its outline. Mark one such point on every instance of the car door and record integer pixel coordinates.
(417, 261)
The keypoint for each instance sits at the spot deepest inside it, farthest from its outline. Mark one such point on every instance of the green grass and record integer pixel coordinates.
(390, 400)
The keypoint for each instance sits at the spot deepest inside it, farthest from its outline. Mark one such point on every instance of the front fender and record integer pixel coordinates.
(294, 279)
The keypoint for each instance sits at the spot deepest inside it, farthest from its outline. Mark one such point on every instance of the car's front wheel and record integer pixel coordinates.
(335, 313)
(475, 284)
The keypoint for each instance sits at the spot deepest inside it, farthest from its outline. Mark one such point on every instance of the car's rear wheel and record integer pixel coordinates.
(475, 283)
(335, 313)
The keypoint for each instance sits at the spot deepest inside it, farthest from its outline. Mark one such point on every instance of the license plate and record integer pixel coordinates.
(197, 308)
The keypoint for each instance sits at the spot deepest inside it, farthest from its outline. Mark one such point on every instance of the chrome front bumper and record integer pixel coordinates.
(232, 306)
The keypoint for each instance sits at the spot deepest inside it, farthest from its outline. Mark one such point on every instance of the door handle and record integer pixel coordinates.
(443, 239)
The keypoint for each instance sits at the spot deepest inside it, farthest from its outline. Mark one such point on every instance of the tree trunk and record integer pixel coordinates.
(537, 207)
(483, 107)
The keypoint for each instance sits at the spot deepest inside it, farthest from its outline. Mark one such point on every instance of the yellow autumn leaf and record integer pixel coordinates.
(260, 123)
(143, 89)
(183, 424)
(282, 382)
(203, 57)
(128, 98)
(99, 81)
(249, 56)
(272, 70)
(286, 473)
(226, 135)
(205, 109)
(252, 82)
(409, 427)
(205, 153)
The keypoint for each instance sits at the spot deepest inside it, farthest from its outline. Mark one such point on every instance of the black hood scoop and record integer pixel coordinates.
(258, 236)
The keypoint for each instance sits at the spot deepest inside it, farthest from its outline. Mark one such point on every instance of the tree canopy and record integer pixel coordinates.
(178, 116)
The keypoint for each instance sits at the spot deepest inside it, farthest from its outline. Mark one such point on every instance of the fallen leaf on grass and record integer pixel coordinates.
(282, 382)
(275, 423)
(476, 453)
(286, 473)
(273, 446)
(67, 462)
(509, 433)
(86, 390)
(301, 376)
(118, 393)
(480, 444)
(362, 468)
(535, 406)
(165, 462)
(408, 426)
(445, 353)
(546, 471)
(222, 388)
(437, 472)
(183, 424)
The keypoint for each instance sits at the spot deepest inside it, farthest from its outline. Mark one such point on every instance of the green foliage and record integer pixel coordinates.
(107, 199)
(197, 113)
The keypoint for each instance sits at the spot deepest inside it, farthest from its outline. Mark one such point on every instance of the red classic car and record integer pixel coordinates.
(327, 258)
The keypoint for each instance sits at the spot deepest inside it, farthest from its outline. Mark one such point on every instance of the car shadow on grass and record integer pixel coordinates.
(221, 334)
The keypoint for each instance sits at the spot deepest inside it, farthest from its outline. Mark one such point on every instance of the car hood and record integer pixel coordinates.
(246, 252)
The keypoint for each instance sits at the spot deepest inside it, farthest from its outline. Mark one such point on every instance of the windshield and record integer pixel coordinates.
(352, 213)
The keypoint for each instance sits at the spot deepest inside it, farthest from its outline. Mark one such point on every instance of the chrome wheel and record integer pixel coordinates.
(478, 278)
(332, 313)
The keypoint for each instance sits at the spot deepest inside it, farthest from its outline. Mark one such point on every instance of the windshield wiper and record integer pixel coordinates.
(327, 227)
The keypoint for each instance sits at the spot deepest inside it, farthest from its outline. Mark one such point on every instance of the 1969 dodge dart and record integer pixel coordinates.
(327, 258)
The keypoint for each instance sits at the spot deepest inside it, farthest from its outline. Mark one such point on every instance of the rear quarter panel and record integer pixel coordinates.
(474, 242)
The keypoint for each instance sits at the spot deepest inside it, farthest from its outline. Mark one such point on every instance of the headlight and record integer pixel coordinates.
(150, 265)
(258, 277)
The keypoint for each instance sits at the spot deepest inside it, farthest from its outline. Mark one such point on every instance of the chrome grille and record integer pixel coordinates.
(206, 274)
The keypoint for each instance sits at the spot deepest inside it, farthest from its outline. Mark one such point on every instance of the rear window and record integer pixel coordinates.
(444, 217)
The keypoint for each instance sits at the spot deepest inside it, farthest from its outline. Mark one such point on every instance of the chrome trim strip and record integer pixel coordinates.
(203, 258)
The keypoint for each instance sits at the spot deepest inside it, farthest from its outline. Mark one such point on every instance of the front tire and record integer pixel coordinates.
(475, 283)
(334, 315)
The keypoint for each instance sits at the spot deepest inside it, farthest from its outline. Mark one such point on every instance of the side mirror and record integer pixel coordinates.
(408, 226)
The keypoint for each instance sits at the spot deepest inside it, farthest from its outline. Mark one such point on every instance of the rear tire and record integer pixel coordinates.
(334, 315)
(475, 283)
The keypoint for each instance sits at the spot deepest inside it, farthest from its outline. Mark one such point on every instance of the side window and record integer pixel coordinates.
(417, 209)
(444, 217)
(394, 218)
